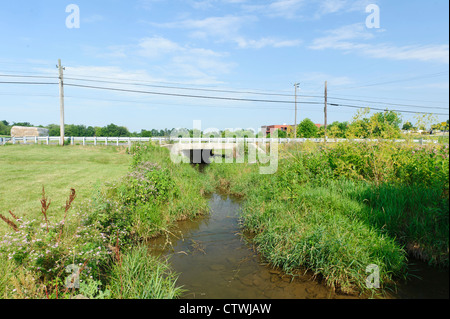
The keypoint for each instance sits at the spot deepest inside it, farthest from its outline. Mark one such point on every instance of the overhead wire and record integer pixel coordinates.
(433, 75)
(227, 98)
(385, 109)
(186, 95)
(222, 91)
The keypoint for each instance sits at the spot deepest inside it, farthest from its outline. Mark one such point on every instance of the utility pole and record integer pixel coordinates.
(61, 101)
(326, 108)
(296, 85)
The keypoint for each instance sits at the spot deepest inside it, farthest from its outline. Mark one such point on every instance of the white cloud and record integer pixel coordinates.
(316, 79)
(166, 59)
(338, 38)
(219, 28)
(182, 60)
(266, 42)
(147, 4)
(331, 6)
(352, 39)
(431, 53)
(287, 9)
(295, 9)
(156, 47)
(228, 29)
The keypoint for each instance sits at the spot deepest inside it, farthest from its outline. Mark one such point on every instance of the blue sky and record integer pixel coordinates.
(206, 47)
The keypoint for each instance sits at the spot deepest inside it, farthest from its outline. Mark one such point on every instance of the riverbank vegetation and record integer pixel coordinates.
(335, 209)
(99, 242)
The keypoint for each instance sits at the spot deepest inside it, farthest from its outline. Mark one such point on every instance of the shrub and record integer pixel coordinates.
(46, 248)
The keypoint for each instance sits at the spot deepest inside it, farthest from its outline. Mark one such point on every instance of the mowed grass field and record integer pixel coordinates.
(25, 169)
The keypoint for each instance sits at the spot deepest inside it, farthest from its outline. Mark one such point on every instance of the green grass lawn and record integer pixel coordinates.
(25, 169)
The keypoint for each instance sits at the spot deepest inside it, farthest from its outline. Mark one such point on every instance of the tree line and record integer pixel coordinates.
(111, 130)
(387, 124)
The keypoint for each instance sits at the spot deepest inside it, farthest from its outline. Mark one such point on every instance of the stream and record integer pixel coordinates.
(215, 260)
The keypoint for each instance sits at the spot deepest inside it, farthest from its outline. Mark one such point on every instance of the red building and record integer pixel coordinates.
(271, 128)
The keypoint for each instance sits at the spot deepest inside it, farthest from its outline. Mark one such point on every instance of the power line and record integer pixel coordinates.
(396, 81)
(378, 109)
(391, 98)
(147, 102)
(27, 76)
(181, 88)
(225, 91)
(28, 83)
(187, 95)
(392, 104)
(218, 97)
(182, 84)
(237, 99)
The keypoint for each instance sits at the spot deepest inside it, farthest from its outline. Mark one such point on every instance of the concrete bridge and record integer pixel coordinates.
(202, 153)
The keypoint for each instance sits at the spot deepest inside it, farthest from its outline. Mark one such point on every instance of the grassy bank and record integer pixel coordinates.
(98, 235)
(25, 169)
(337, 209)
(332, 209)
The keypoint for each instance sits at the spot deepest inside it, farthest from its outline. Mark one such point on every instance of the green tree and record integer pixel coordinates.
(90, 131)
(407, 126)
(53, 130)
(335, 130)
(281, 134)
(307, 129)
(145, 133)
(26, 124)
(385, 125)
(112, 130)
(424, 121)
(5, 129)
(358, 128)
(380, 125)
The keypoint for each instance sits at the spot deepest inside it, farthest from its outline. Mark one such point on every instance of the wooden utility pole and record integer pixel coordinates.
(61, 101)
(296, 85)
(326, 108)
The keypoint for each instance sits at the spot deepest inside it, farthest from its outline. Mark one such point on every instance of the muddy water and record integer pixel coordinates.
(215, 261)
(425, 282)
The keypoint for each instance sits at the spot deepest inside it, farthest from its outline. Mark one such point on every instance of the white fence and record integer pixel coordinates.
(127, 141)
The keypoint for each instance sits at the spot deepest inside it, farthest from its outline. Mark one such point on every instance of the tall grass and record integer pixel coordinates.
(318, 231)
(118, 217)
(335, 209)
(24, 169)
(139, 275)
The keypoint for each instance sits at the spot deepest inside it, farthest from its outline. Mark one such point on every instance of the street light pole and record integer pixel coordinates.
(296, 85)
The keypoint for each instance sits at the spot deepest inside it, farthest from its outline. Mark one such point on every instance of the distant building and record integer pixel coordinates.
(271, 128)
(21, 131)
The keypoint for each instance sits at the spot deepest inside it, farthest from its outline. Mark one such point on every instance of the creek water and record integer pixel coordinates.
(215, 260)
